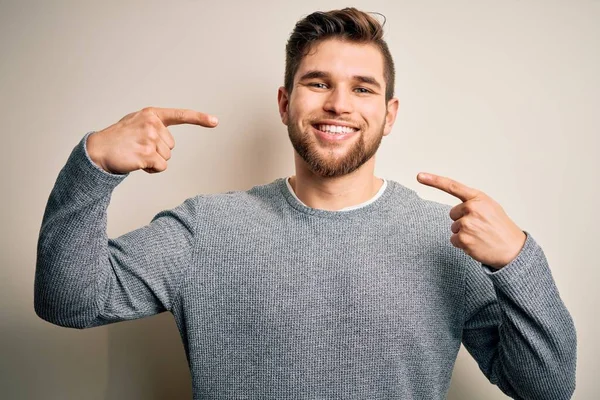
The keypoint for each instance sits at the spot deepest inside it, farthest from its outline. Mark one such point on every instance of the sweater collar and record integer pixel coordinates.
(345, 209)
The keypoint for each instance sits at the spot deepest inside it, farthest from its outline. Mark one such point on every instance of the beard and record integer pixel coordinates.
(330, 166)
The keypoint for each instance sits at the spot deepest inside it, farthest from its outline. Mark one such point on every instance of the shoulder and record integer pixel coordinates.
(415, 205)
(426, 222)
(259, 197)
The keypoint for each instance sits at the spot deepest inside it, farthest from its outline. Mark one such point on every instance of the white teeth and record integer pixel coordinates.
(335, 129)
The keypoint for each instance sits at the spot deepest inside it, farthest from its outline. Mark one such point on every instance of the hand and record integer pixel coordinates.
(141, 140)
(481, 227)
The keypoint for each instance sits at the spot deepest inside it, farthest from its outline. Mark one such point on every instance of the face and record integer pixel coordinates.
(337, 114)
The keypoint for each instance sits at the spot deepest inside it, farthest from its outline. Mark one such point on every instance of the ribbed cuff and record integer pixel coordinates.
(529, 268)
(86, 179)
(83, 144)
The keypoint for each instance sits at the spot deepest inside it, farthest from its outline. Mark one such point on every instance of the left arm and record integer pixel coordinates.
(515, 324)
(518, 329)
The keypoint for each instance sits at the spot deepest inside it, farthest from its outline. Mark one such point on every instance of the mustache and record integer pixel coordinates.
(315, 120)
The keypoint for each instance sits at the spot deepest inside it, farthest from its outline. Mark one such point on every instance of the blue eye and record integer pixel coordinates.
(318, 85)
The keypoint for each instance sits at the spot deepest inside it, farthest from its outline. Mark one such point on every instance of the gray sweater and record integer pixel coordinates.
(276, 300)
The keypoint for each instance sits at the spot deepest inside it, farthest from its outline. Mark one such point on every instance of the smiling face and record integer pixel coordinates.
(337, 114)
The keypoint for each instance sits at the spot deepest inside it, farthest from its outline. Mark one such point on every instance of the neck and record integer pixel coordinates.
(333, 194)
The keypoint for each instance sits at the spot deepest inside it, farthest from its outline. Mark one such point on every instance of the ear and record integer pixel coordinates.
(284, 101)
(390, 117)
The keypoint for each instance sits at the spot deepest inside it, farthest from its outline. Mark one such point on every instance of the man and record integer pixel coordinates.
(331, 284)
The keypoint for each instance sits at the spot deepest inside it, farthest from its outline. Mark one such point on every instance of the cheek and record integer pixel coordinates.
(374, 113)
(299, 110)
(305, 101)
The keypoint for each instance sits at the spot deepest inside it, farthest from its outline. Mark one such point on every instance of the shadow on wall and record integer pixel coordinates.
(146, 360)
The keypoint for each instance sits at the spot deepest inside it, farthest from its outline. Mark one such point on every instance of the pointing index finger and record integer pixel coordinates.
(178, 116)
(456, 189)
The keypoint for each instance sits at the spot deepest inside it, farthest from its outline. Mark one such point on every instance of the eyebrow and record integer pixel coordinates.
(316, 74)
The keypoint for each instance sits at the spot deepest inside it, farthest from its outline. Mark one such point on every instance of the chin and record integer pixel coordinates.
(330, 162)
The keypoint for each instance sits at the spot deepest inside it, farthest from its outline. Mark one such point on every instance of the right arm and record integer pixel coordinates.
(84, 279)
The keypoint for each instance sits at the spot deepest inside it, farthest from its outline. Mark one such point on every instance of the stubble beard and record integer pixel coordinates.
(333, 166)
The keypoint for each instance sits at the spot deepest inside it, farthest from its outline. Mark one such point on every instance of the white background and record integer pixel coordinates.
(503, 96)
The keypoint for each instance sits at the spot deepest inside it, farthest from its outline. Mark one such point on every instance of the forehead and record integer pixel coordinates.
(343, 59)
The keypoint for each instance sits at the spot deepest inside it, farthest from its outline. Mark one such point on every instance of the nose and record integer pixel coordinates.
(338, 102)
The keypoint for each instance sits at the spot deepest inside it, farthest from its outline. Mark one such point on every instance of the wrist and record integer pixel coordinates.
(92, 148)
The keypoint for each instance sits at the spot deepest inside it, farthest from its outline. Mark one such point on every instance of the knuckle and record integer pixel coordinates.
(180, 114)
(466, 224)
(161, 166)
(453, 187)
(147, 124)
(151, 133)
(465, 239)
(150, 118)
(147, 150)
(467, 208)
(474, 212)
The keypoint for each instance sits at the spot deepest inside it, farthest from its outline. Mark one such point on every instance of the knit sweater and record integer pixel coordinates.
(277, 300)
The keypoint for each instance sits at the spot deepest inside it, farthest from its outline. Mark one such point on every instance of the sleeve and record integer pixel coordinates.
(84, 279)
(517, 328)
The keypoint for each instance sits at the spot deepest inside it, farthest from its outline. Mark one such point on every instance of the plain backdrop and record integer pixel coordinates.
(503, 96)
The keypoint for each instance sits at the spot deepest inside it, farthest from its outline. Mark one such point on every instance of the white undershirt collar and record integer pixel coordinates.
(366, 203)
